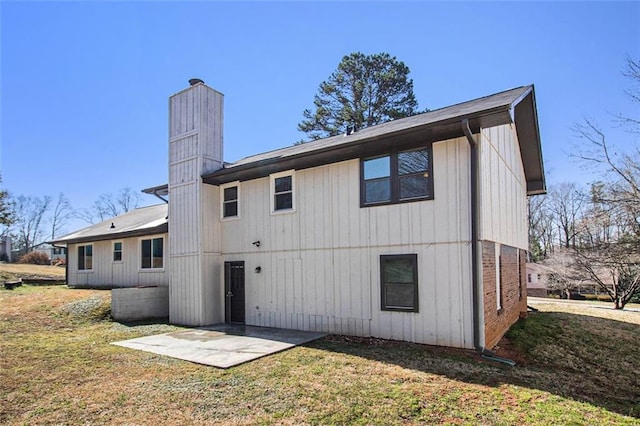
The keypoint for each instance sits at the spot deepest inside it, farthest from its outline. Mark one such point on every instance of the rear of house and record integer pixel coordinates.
(411, 230)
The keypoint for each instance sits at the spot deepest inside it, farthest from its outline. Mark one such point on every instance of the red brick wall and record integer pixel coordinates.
(513, 290)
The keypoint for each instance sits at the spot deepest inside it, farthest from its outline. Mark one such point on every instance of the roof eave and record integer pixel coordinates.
(526, 120)
(412, 136)
(160, 229)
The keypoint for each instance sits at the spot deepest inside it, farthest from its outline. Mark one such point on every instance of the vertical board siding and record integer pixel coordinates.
(109, 274)
(320, 265)
(503, 188)
(195, 148)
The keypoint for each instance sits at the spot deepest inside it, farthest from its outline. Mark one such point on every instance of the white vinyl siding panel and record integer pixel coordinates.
(320, 265)
(503, 188)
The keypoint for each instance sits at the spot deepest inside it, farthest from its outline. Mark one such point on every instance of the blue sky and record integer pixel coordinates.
(84, 85)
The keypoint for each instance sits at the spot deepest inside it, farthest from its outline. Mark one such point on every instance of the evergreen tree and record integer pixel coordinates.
(365, 90)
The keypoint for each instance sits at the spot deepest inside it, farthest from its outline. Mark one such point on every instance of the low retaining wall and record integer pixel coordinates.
(139, 303)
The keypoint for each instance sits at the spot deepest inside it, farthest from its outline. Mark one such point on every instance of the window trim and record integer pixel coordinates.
(84, 270)
(222, 200)
(416, 300)
(394, 176)
(272, 192)
(164, 256)
(499, 282)
(520, 280)
(113, 252)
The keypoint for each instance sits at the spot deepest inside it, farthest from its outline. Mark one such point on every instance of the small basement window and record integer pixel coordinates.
(85, 257)
(399, 282)
(152, 253)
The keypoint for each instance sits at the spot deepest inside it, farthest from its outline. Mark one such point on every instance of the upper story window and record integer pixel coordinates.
(85, 257)
(230, 197)
(397, 177)
(282, 192)
(117, 251)
(152, 253)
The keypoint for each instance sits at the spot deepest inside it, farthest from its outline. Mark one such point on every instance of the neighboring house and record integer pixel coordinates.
(5, 248)
(537, 278)
(413, 230)
(58, 253)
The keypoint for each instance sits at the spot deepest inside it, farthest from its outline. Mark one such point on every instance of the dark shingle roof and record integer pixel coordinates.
(511, 106)
(138, 222)
(515, 105)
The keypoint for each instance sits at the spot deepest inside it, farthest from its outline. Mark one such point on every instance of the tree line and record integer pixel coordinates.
(592, 233)
(31, 221)
(580, 234)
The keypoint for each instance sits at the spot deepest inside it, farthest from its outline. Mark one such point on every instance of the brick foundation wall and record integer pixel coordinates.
(513, 291)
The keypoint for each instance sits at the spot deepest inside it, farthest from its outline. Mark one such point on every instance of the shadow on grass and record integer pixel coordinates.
(584, 358)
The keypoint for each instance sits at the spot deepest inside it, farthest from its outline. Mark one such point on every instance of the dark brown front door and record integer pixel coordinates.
(234, 290)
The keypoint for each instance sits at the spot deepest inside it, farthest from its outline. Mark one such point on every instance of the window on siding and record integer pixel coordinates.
(117, 251)
(85, 257)
(230, 202)
(520, 283)
(152, 253)
(377, 180)
(282, 190)
(397, 177)
(499, 285)
(399, 282)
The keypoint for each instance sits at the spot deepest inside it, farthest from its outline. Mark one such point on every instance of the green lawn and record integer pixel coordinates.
(578, 366)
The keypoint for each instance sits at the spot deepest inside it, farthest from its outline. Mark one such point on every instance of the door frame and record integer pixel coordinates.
(229, 298)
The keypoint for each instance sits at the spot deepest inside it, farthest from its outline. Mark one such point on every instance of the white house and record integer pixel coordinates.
(413, 230)
(537, 278)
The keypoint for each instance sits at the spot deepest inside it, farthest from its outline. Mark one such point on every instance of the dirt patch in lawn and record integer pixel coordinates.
(14, 271)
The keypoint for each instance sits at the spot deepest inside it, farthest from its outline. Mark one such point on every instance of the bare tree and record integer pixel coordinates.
(60, 214)
(614, 267)
(563, 273)
(110, 205)
(28, 229)
(566, 206)
(632, 72)
(616, 254)
(541, 228)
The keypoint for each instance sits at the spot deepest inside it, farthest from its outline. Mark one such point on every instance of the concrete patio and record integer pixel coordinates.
(223, 345)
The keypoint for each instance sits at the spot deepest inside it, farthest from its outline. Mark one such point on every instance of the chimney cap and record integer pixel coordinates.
(194, 81)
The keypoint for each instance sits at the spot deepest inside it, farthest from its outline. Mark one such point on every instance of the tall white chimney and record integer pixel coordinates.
(195, 148)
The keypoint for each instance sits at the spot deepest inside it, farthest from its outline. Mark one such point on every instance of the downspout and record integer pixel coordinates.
(475, 260)
(160, 196)
(475, 279)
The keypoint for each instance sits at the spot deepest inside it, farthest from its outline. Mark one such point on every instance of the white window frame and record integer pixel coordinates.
(272, 191)
(85, 270)
(498, 261)
(113, 251)
(164, 256)
(222, 188)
